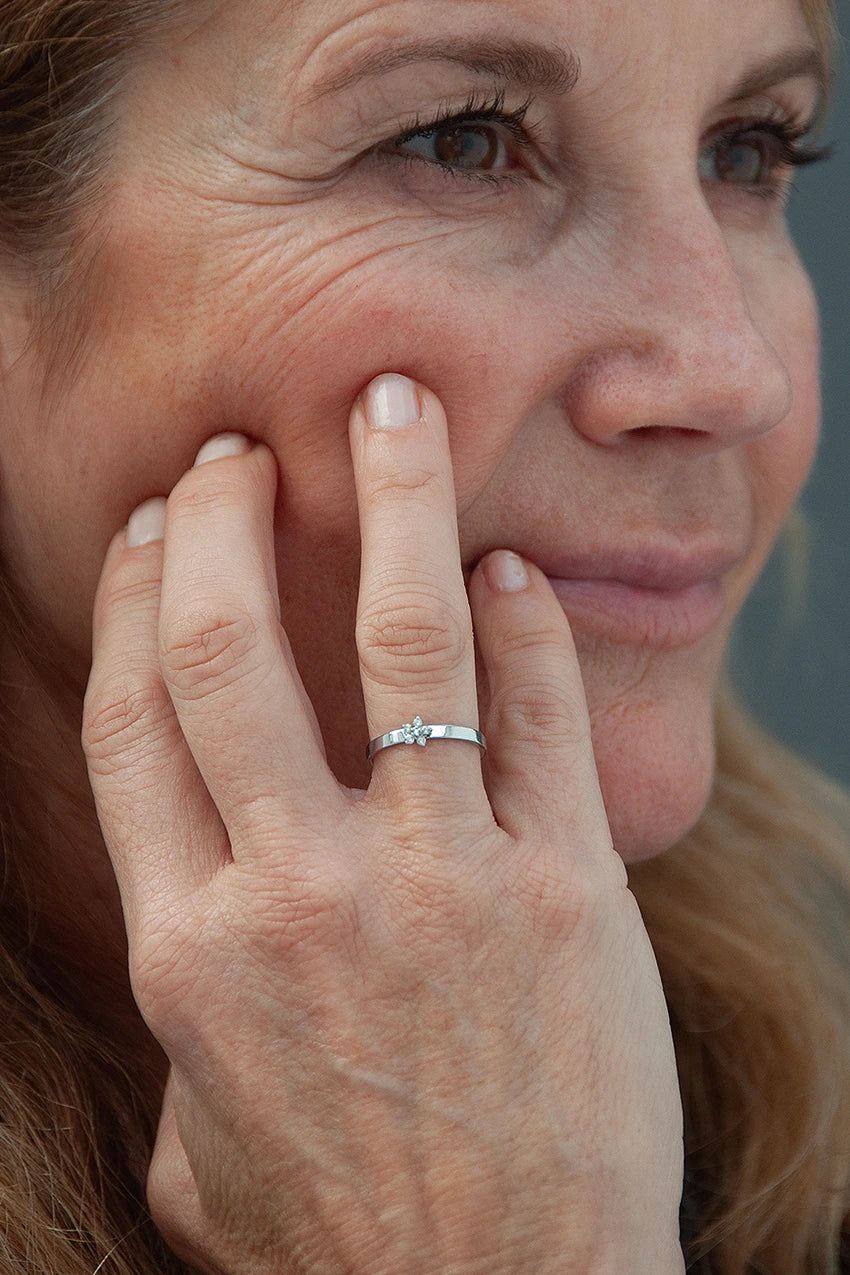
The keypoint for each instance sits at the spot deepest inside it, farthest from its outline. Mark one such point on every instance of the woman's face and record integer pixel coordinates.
(589, 265)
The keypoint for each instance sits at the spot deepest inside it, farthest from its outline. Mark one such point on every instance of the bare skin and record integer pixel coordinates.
(615, 346)
(419, 1028)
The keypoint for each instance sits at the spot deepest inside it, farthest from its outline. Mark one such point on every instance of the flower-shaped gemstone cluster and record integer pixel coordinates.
(415, 732)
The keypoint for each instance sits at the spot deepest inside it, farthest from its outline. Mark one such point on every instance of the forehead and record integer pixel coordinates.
(604, 22)
(298, 42)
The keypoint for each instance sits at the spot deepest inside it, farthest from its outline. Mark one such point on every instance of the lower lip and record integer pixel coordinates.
(665, 618)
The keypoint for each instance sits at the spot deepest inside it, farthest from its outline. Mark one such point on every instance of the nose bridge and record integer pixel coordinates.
(680, 346)
(693, 297)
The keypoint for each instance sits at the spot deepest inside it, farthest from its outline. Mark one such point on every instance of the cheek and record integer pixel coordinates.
(285, 317)
(174, 356)
(305, 375)
(784, 309)
(293, 385)
(781, 461)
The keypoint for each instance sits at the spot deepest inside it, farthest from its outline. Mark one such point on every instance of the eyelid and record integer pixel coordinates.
(518, 134)
(790, 101)
(788, 131)
(788, 126)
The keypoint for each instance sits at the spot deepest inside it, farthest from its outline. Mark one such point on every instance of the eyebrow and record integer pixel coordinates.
(550, 69)
(545, 68)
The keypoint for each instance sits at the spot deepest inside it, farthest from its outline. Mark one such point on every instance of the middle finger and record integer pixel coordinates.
(414, 630)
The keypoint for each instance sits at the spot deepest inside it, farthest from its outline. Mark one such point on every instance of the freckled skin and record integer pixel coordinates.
(623, 351)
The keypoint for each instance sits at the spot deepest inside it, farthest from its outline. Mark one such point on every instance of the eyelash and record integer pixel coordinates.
(476, 110)
(792, 152)
(790, 135)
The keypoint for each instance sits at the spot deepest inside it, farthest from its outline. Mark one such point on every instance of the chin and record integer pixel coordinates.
(656, 771)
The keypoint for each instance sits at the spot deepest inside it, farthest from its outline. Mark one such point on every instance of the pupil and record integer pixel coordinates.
(743, 162)
(465, 147)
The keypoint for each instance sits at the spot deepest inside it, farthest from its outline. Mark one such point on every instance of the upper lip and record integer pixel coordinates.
(644, 566)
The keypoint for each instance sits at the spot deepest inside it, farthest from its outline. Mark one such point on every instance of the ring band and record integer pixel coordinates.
(416, 732)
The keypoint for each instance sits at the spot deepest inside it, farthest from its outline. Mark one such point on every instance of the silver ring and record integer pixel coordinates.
(416, 732)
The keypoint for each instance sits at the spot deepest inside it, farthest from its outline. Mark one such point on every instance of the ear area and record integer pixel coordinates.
(20, 375)
(17, 310)
(20, 382)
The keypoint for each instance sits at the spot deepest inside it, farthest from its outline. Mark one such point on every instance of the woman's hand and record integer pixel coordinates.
(416, 1029)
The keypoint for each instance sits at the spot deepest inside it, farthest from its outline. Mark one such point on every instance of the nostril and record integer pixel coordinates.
(681, 437)
(666, 431)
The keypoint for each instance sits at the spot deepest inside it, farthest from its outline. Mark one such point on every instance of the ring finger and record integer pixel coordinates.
(414, 631)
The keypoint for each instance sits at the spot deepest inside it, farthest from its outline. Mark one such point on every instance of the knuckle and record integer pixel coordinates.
(319, 910)
(163, 995)
(206, 490)
(417, 635)
(129, 590)
(555, 912)
(518, 641)
(118, 715)
(166, 974)
(208, 649)
(440, 896)
(540, 715)
(173, 1205)
(414, 482)
(565, 899)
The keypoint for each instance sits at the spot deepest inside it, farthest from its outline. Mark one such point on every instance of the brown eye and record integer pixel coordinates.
(473, 147)
(744, 159)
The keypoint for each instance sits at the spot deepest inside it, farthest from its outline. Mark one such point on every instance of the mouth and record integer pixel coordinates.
(666, 597)
(627, 613)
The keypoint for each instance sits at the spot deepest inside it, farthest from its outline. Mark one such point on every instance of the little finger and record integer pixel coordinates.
(160, 826)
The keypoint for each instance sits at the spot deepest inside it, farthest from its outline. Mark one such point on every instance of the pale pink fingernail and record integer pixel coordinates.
(146, 523)
(505, 571)
(391, 402)
(223, 445)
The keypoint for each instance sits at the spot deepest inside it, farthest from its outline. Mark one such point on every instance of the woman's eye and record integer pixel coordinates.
(469, 147)
(745, 159)
(483, 140)
(760, 157)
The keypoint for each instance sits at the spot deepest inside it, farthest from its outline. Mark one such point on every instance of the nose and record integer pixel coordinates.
(674, 346)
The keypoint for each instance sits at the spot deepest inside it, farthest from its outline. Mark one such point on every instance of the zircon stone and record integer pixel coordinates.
(416, 732)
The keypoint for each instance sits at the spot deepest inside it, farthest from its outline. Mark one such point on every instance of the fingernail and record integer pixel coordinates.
(146, 523)
(391, 402)
(505, 571)
(222, 445)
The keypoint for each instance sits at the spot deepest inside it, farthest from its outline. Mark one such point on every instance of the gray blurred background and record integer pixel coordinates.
(796, 677)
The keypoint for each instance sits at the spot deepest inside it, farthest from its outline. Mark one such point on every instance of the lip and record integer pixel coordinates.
(663, 618)
(649, 596)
